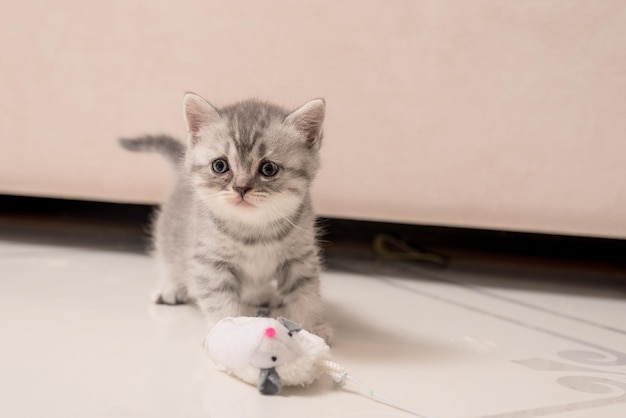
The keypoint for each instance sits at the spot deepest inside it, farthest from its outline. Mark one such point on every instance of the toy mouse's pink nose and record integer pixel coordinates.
(270, 332)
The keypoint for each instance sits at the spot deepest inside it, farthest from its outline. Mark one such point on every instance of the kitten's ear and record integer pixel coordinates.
(198, 113)
(309, 119)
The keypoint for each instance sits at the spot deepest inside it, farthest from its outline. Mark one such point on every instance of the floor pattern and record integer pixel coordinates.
(80, 338)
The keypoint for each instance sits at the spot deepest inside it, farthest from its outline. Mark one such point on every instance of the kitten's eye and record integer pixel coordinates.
(268, 169)
(219, 166)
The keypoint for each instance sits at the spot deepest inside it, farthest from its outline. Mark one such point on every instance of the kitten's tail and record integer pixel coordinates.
(167, 146)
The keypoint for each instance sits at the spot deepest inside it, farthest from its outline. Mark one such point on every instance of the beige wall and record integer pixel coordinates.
(497, 114)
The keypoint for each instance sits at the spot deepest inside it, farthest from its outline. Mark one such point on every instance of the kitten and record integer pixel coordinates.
(237, 235)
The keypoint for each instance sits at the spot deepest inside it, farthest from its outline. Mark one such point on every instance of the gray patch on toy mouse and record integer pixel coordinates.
(291, 326)
(269, 382)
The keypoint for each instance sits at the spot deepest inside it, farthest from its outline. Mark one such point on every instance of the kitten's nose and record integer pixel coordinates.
(242, 190)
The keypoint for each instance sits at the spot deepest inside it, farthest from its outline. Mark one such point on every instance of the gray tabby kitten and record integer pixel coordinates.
(237, 235)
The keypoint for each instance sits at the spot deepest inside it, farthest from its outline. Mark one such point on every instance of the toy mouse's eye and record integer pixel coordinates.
(290, 334)
(274, 358)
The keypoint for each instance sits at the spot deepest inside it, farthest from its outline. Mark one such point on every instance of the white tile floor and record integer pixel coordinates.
(80, 339)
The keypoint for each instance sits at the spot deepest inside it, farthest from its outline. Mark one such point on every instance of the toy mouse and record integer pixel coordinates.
(267, 352)
(271, 353)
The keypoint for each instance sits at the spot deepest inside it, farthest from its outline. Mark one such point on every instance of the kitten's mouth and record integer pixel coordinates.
(243, 203)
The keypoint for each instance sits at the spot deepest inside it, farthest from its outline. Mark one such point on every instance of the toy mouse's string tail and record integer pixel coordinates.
(340, 377)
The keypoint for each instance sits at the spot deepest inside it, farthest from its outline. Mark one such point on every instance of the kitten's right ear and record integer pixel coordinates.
(308, 119)
(198, 114)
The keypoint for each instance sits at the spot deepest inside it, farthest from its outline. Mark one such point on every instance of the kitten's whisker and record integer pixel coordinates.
(264, 157)
(289, 221)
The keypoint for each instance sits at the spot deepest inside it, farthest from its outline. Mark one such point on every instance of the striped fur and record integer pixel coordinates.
(171, 149)
(242, 254)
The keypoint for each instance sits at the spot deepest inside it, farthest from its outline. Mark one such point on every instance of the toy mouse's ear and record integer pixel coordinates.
(291, 326)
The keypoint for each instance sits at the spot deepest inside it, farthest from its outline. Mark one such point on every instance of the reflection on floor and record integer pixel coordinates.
(80, 339)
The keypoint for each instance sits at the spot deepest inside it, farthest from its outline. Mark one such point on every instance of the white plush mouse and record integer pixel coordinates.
(271, 353)
(268, 352)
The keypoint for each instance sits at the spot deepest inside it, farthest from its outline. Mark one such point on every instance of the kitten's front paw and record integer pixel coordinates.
(324, 331)
(169, 295)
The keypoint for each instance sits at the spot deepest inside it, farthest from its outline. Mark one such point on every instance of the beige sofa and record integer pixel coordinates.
(492, 114)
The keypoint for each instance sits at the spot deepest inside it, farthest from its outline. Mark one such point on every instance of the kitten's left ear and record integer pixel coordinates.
(309, 119)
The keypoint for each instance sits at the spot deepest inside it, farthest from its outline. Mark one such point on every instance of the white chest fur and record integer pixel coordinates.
(259, 263)
(258, 267)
